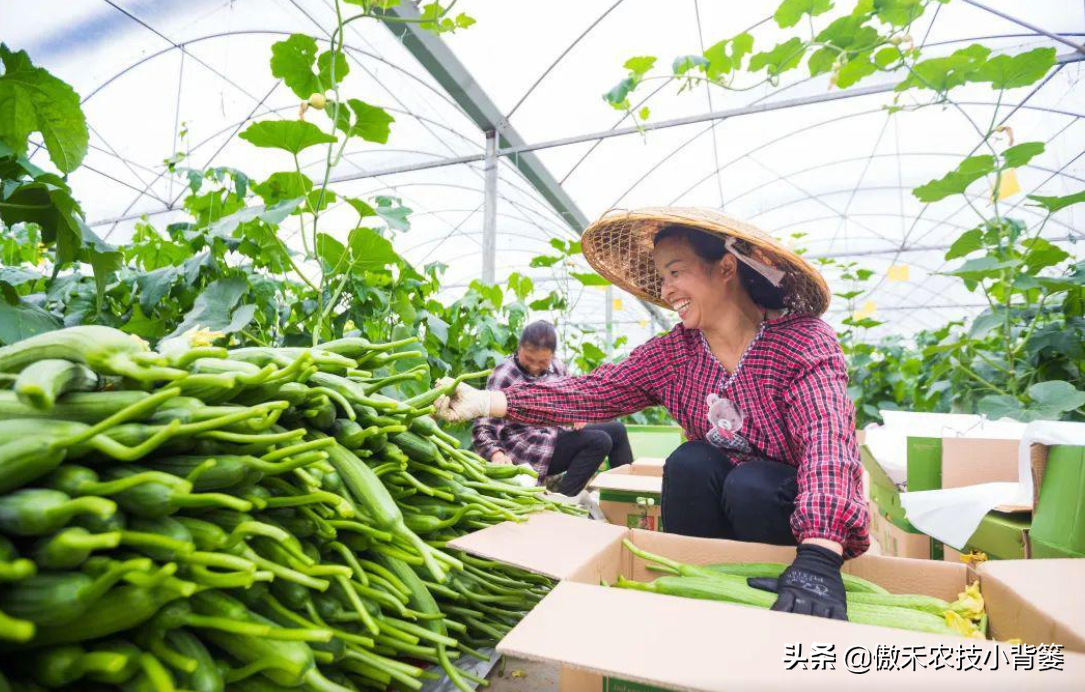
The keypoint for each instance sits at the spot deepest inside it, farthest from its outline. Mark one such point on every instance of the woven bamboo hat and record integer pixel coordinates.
(620, 247)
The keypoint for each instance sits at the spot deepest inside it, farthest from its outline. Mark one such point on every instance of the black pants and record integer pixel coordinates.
(579, 453)
(706, 495)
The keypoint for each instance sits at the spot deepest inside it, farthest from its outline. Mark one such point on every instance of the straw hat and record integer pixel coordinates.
(620, 246)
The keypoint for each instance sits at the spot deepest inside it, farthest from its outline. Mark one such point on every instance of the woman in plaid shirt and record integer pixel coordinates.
(756, 380)
(576, 451)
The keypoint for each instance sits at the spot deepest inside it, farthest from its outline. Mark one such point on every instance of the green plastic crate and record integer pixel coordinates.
(657, 441)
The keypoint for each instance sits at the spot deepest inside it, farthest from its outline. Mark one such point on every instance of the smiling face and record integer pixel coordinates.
(695, 288)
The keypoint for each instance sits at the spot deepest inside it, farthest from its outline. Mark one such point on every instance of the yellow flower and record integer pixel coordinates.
(199, 337)
(969, 603)
(962, 626)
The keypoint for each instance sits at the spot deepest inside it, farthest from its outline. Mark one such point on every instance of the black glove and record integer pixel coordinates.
(812, 585)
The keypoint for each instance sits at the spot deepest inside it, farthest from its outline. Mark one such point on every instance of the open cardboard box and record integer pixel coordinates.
(610, 639)
(625, 492)
(955, 463)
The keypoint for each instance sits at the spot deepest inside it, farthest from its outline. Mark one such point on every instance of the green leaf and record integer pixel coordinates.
(618, 96)
(369, 250)
(967, 243)
(943, 74)
(217, 309)
(283, 186)
(643, 113)
(1042, 253)
(855, 69)
(898, 12)
(293, 136)
(592, 352)
(404, 308)
(292, 61)
(640, 65)
(719, 62)
(32, 100)
(849, 33)
(392, 211)
(983, 268)
(957, 181)
(590, 279)
(16, 276)
(783, 57)
(371, 122)
(1055, 397)
(983, 324)
(741, 46)
(887, 56)
(437, 327)
(1020, 154)
(540, 261)
(22, 321)
(324, 67)
(998, 406)
(154, 286)
(332, 253)
(360, 206)
(791, 11)
(1015, 71)
(684, 63)
(521, 285)
(272, 215)
(261, 243)
(48, 203)
(138, 323)
(1054, 204)
(822, 61)
(103, 258)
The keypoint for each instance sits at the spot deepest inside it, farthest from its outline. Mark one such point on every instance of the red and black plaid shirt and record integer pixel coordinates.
(792, 389)
(525, 444)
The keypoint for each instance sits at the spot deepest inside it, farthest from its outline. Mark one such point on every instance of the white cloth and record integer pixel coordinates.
(774, 275)
(953, 515)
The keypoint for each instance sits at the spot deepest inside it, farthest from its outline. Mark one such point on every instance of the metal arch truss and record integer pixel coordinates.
(502, 137)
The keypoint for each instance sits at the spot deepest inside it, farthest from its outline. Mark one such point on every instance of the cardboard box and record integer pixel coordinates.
(631, 496)
(954, 462)
(1058, 524)
(650, 461)
(896, 541)
(617, 639)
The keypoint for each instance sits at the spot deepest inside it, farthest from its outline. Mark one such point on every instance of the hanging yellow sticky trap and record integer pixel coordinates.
(898, 272)
(866, 311)
(644, 324)
(1008, 184)
(617, 303)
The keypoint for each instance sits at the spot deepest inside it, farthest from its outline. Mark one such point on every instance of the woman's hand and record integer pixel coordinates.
(812, 585)
(467, 403)
(500, 458)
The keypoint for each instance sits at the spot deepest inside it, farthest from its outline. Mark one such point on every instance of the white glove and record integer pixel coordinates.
(466, 403)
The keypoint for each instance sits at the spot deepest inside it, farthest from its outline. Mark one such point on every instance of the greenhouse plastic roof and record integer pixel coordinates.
(839, 171)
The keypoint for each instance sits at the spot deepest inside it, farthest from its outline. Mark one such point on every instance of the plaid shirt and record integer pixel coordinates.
(525, 444)
(792, 389)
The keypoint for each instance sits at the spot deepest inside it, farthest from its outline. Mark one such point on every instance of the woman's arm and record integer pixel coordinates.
(610, 391)
(829, 508)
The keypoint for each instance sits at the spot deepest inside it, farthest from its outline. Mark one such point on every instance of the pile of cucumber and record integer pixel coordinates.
(868, 603)
(206, 519)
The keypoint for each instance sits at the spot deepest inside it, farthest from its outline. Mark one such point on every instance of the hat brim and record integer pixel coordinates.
(620, 247)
